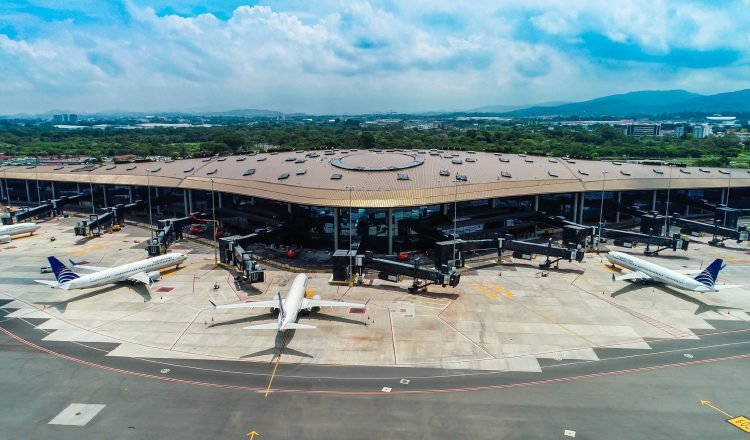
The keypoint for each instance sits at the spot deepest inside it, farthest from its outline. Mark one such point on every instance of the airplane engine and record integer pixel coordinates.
(4, 239)
(155, 275)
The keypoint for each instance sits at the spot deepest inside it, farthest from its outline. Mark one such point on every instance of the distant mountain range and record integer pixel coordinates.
(657, 102)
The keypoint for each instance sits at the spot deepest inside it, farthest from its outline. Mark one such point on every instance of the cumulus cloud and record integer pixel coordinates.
(333, 57)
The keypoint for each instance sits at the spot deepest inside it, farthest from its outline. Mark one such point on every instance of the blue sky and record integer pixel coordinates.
(358, 56)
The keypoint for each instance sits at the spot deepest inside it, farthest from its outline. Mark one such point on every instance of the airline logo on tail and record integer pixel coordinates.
(710, 274)
(61, 271)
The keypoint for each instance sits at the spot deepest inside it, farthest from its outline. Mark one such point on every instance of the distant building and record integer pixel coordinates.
(643, 130)
(702, 131)
(679, 131)
(65, 117)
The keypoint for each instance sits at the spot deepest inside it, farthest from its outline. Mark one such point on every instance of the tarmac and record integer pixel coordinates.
(512, 347)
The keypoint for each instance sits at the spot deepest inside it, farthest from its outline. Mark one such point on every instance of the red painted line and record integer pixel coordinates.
(433, 391)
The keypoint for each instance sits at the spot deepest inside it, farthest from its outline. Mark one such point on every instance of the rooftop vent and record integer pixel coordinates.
(249, 172)
(221, 159)
(299, 161)
(658, 171)
(402, 177)
(521, 155)
(724, 172)
(283, 176)
(329, 153)
(336, 176)
(461, 178)
(471, 159)
(434, 153)
(583, 172)
(213, 171)
(703, 170)
(253, 153)
(273, 153)
(313, 155)
(301, 171)
(58, 168)
(241, 158)
(505, 174)
(187, 170)
(131, 168)
(504, 159)
(498, 154)
(457, 161)
(552, 160)
(31, 167)
(290, 159)
(445, 173)
(625, 173)
(208, 159)
(552, 174)
(471, 152)
(155, 170)
(111, 168)
(571, 161)
(684, 171)
(529, 160)
(617, 163)
(262, 158)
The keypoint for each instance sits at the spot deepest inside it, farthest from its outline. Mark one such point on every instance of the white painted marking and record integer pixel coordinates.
(404, 381)
(386, 390)
(557, 356)
(569, 433)
(688, 355)
(164, 370)
(77, 414)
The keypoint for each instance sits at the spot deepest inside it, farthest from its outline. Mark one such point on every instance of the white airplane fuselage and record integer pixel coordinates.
(657, 273)
(293, 302)
(18, 229)
(124, 272)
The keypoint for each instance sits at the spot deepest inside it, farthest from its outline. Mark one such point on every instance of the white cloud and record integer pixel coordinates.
(365, 56)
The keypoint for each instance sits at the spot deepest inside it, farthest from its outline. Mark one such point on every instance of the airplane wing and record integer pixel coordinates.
(49, 283)
(308, 303)
(249, 305)
(275, 326)
(633, 276)
(141, 277)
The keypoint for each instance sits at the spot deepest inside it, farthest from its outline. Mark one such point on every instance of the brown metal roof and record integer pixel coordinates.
(310, 182)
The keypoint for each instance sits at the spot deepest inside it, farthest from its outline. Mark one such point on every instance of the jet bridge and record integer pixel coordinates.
(232, 251)
(520, 249)
(629, 238)
(93, 227)
(391, 270)
(719, 233)
(51, 207)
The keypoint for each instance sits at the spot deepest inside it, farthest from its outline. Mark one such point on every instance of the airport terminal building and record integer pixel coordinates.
(386, 200)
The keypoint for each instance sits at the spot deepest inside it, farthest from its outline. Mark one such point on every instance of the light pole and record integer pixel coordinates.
(666, 210)
(91, 191)
(727, 199)
(150, 218)
(213, 209)
(455, 218)
(351, 264)
(7, 190)
(601, 209)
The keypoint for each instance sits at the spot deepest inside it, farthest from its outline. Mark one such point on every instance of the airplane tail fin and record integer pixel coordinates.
(298, 326)
(272, 326)
(710, 274)
(61, 271)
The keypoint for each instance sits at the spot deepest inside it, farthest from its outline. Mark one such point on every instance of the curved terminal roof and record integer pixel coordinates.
(392, 178)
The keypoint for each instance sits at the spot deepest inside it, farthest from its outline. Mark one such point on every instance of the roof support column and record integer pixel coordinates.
(289, 208)
(617, 211)
(580, 214)
(653, 201)
(536, 203)
(3, 185)
(185, 202)
(723, 194)
(28, 192)
(54, 195)
(104, 192)
(687, 210)
(220, 199)
(190, 201)
(335, 229)
(575, 208)
(130, 194)
(390, 229)
(158, 205)
(445, 209)
(492, 203)
(78, 191)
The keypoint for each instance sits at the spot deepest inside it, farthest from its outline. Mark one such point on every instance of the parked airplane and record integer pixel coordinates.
(289, 308)
(144, 271)
(640, 270)
(19, 228)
